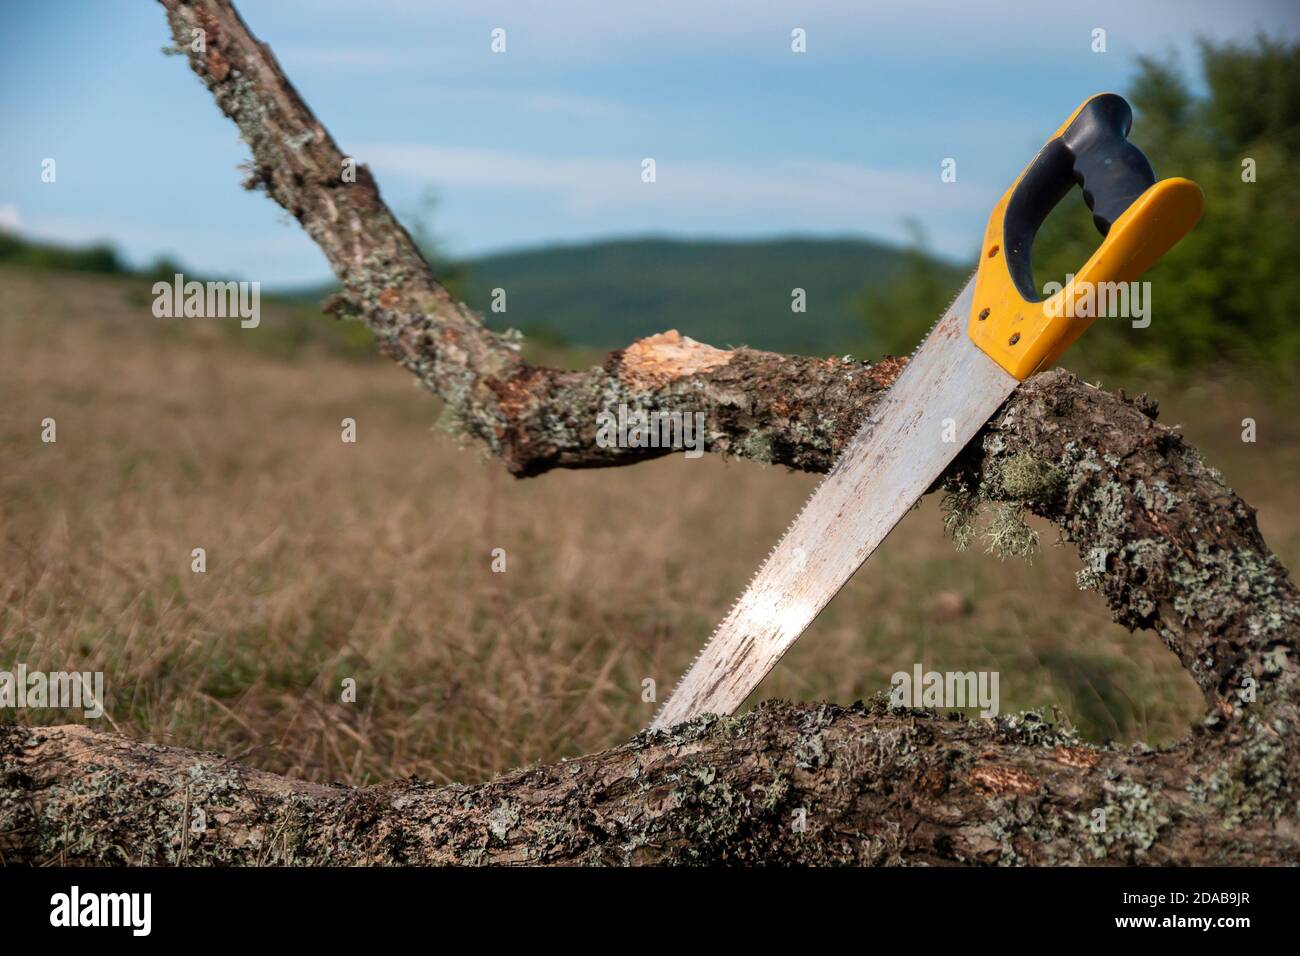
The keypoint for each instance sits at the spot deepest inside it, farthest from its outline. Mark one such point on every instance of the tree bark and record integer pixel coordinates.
(781, 784)
(1167, 545)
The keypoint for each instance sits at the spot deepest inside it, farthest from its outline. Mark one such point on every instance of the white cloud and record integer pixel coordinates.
(533, 101)
(789, 193)
(10, 219)
(356, 58)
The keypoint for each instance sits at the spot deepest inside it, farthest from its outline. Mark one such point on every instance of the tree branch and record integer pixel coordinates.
(795, 411)
(1167, 544)
(782, 784)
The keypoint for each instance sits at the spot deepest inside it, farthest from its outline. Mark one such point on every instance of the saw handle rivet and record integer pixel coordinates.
(1015, 338)
(984, 314)
(993, 251)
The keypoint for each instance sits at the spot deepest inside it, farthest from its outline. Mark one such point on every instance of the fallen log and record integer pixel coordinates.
(781, 784)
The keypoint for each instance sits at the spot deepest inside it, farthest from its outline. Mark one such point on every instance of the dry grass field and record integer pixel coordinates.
(372, 560)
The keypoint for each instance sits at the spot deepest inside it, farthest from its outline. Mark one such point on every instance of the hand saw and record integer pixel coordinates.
(997, 333)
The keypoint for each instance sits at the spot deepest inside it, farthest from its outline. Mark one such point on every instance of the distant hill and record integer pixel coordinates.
(602, 295)
(605, 294)
(99, 257)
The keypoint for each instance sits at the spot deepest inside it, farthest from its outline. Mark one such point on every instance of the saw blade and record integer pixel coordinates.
(943, 396)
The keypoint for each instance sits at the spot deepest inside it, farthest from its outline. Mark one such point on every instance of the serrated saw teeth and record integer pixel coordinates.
(994, 334)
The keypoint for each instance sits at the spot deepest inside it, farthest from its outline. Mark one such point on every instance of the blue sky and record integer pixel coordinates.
(545, 142)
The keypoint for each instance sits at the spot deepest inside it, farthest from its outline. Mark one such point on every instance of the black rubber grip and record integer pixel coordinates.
(1093, 152)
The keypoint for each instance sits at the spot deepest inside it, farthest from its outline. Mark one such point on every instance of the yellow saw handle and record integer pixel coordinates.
(1141, 220)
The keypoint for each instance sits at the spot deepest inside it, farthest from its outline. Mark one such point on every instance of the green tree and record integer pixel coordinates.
(1229, 293)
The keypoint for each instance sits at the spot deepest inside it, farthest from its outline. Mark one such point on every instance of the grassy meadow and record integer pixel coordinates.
(372, 561)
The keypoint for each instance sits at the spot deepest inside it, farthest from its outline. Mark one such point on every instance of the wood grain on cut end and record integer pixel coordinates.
(658, 360)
